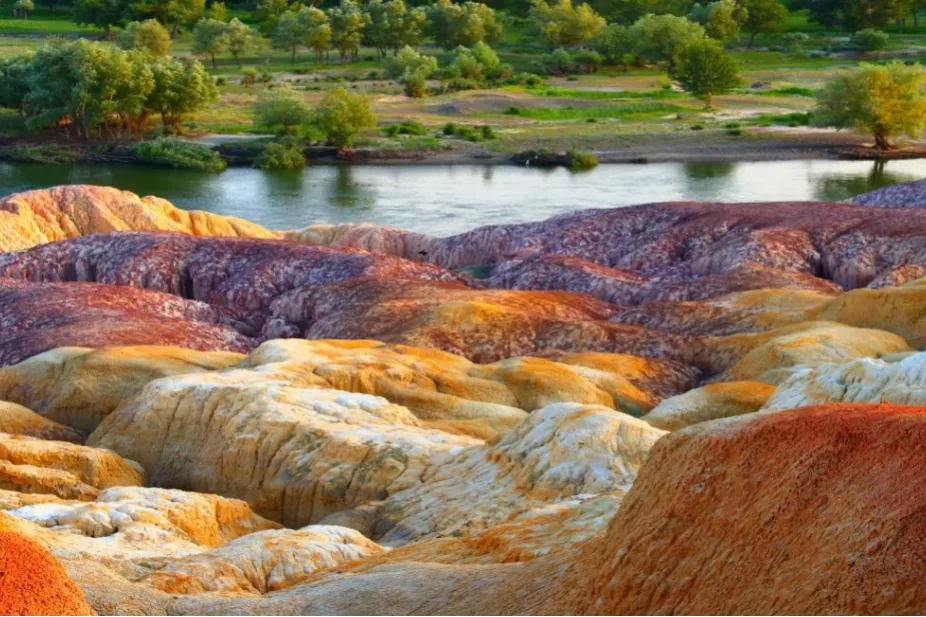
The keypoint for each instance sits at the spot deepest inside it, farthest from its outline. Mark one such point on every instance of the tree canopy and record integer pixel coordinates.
(705, 69)
(562, 24)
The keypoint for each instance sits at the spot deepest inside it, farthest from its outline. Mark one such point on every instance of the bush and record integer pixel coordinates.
(220, 81)
(282, 107)
(177, 153)
(265, 77)
(248, 77)
(408, 127)
(557, 62)
(459, 84)
(341, 115)
(587, 61)
(469, 133)
(531, 80)
(286, 155)
(578, 160)
(869, 40)
(413, 69)
(697, 127)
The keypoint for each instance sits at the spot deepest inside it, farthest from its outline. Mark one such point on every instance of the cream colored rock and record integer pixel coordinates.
(263, 562)
(48, 215)
(899, 379)
(18, 420)
(79, 387)
(558, 452)
(710, 402)
(295, 454)
(70, 471)
(771, 356)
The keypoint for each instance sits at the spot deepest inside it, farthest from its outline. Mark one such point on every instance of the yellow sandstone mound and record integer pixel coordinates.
(62, 212)
(66, 470)
(710, 402)
(18, 420)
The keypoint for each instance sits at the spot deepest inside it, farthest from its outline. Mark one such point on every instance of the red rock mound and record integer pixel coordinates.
(32, 582)
(812, 511)
(37, 317)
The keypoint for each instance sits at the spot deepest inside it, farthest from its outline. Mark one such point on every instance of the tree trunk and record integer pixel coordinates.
(238, 60)
(752, 39)
(176, 30)
(882, 143)
(293, 58)
(709, 100)
(213, 60)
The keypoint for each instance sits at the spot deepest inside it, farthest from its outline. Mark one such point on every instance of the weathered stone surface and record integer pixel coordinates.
(70, 471)
(242, 278)
(18, 420)
(899, 379)
(710, 402)
(32, 582)
(294, 453)
(560, 451)
(263, 562)
(817, 519)
(48, 215)
(903, 195)
(79, 387)
(39, 317)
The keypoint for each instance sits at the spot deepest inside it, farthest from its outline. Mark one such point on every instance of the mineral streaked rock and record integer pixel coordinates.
(18, 420)
(35, 318)
(295, 454)
(79, 386)
(263, 562)
(818, 518)
(32, 582)
(558, 452)
(903, 195)
(30, 465)
(710, 402)
(62, 212)
(898, 379)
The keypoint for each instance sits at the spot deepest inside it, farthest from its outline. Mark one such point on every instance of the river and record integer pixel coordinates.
(448, 199)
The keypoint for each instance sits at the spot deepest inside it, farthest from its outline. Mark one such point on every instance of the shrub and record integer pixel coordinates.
(282, 107)
(408, 127)
(265, 77)
(531, 80)
(587, 61)
(248, 77)
(286, 155)
(578, 160)
(341, 115)
(869, 40)
(697, 127)
(487, 132)
(459, 84)
(178, 153)
(558, 62)
(220, 81)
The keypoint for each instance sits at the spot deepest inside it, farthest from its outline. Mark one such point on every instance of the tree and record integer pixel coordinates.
(393, 25)
(209, 38)
(268, 12)
(22, 8)
(626, 12)
(101, 13)
(217, 11)
(315, 29)
(477, 63)
(148, 35)
(347, 25)
(289, 34)
(660, 38)
(615, 45)
(883, 101)
(281, 107)
(870, 40)
(467, 23)
(763, 17)
(705, 69)
(183, 12)
(342, 115)
(561, 24)
(240, 39)
(412, 69)
(722, 20)
(13, 87)
(181, 87)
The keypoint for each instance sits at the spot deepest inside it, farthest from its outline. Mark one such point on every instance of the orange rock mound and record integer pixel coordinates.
(32, 582)
(812, 511)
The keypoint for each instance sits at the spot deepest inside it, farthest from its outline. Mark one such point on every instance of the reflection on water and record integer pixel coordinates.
(447, 199)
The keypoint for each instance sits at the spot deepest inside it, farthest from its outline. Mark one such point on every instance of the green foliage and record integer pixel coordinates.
(558, 62)
(283, 107)
(308, 27)
(248, 77)
(870, 40)
(795, 40)
(469, 133)
(13, 84)
(860, 14)
(453, 24)
(578, 160)
(177, 153)
(722, 19)
(626, 12)
(625, 111)
(22, 8)
(348, 22)
(268, 12)
(240, 39)
(103, 13)
(209, 38)
(342, 115)
(479, 63)
(661, 38)
(763, 17)
(393, 25)
(148, 35)
(883, 101)
(615, 45)
(407, 127)
(705, 69)
(181, 87)
(217, 11)
(285, 155)
(413, 69)
(562, 24)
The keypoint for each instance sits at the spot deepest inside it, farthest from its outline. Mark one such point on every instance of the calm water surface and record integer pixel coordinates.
(448, 199)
